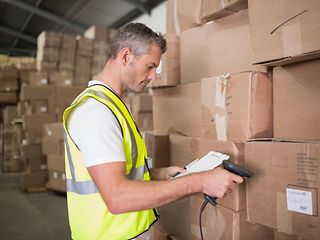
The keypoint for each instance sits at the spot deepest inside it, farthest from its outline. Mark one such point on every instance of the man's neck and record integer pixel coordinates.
(111, 78)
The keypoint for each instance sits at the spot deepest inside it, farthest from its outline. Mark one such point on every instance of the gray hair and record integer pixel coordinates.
(138, 37)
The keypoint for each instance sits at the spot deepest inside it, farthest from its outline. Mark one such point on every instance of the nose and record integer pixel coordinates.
(152, 75)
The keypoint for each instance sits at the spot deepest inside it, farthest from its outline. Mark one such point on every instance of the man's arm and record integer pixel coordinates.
(124, 195)
(165, 173)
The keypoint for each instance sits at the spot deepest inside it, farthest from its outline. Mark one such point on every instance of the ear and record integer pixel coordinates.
(125, 56)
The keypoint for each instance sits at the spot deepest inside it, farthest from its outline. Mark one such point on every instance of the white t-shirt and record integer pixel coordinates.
(96, 131)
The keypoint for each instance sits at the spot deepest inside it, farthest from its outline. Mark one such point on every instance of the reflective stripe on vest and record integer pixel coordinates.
(89, 187)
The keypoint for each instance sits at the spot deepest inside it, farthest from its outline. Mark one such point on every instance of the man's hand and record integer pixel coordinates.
(165, 173)
(218, 182)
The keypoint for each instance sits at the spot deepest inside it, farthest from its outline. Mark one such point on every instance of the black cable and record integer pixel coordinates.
(204, 204)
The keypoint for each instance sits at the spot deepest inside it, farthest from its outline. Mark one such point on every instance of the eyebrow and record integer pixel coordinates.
(154, 65)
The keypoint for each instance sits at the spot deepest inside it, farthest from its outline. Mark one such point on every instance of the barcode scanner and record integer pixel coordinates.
(231, 167)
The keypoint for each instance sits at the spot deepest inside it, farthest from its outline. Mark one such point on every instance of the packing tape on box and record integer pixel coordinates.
(221, 120)
(175, 17)
(291, 39)
(224, 3)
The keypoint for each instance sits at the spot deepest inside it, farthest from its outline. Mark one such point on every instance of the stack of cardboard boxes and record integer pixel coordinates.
(287, 166)
(11, 157)
(8, 84)
(53, 148)
(101, 46)
(248, 88)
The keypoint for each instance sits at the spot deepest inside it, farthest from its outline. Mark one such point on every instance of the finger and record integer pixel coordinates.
(237, 179)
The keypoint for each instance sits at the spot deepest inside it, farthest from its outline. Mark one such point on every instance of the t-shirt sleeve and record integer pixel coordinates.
(96, 131)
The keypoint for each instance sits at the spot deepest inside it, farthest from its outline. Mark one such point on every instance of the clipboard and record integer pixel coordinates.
(210, 161)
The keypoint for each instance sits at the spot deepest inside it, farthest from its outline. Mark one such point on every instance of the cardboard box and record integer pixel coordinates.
(169, 68)
(96, 32)
(57, 181)
(38, 106)
(84, 47)
(199, 60)
(56, 162)
(193, 101)
(219, 223)
(33, 180)
(37, 92)
(285, 31)
(67, 60)
(287, 182)
(8, 71)
(175, 218)
(49, 39)
(183, 150)
(158, 149)
(52, 146)
(101, 48)
(62, 78)
(112, 32)
(284, 236)
(144, 121)
(296, 101)
(47, 66)
(182, 15)
(33, 157)
(68, 42)
(82, 71)
(9, 114)
(237, 107)
(24, 76)
(8, 97)
(9, 84)
(38, 78)
(141, 103)
(183, 99)
(49, 54)
(35, 121)
(12, 164)
(214, 9)
(65, 96)
(53, 130)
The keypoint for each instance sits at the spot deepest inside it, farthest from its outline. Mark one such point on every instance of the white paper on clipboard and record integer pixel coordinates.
(210, 161)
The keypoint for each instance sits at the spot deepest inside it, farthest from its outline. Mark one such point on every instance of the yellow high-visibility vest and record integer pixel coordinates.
(89, 216)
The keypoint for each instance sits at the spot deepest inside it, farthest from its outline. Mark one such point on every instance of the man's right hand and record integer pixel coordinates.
(218, 182)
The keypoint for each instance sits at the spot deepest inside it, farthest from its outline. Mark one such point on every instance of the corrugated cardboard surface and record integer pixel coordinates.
(296, 90)
(214, 9)
(277, 166)
(237, 107)
(182, 15)
(55, 162)
(158, 149)
(169, 69)
(183, 150)
(141, 103)
(37, 92)
(201, 53)
(33, 180)
(175, 218)
(57, 181)
(177, 109)
(292, 35)
(53, 130)
(52, 146)
(219, 223)
(284, 236)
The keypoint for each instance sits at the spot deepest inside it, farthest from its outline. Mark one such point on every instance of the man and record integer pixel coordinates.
(111, 192)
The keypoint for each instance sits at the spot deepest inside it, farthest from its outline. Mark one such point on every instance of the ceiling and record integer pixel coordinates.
(21, 21)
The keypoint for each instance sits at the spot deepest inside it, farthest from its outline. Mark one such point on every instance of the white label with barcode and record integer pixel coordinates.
(299, 201)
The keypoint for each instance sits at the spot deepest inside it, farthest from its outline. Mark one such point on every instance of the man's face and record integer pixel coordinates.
(142, 69)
